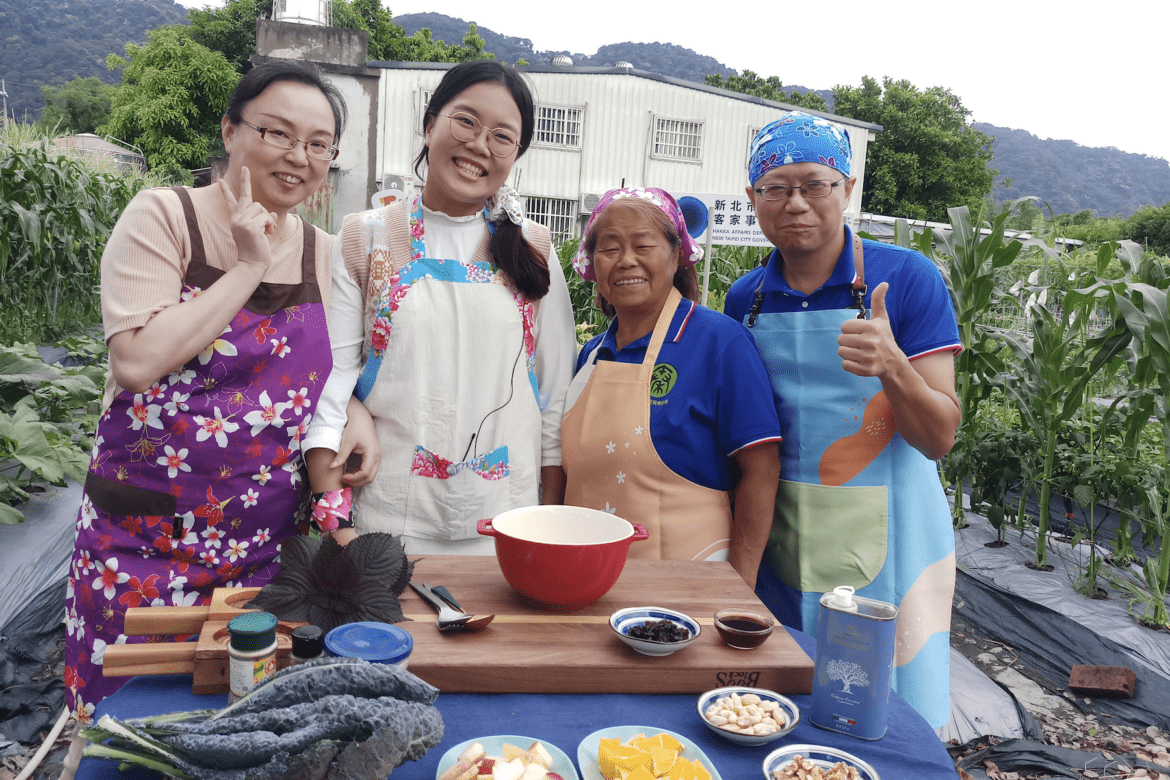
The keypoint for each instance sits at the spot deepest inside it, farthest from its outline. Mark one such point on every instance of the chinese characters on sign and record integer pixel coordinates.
(730, 219)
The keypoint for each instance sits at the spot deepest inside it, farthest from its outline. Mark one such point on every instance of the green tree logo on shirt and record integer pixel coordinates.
(662, 380)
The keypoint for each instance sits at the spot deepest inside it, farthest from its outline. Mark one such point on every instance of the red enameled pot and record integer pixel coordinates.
(561, 557)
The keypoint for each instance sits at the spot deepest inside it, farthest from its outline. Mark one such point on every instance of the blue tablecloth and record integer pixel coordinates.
(909, 750)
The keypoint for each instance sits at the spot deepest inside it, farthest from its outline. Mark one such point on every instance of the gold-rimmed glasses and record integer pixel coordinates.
(501, 142)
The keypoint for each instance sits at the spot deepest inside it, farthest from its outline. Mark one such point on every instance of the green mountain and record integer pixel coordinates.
(53, 41)
(1071, 177)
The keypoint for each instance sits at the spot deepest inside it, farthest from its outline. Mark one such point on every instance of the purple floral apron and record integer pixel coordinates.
(194, 483)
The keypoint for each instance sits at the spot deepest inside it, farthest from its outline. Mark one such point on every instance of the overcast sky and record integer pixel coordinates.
(1095, 73)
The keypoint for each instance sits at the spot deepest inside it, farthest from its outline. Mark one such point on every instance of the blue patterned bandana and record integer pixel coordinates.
(800, 138)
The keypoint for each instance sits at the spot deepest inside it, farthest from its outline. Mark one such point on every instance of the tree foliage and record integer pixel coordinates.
(770, 88)
(173, 94)
(78, 106)
(927, 158)
(1151, 228)
(230, 30)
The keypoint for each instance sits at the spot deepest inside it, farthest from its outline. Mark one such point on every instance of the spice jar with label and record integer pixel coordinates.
(251, 652)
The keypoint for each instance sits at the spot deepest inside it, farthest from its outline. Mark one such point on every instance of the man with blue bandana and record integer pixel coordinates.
(859, 339)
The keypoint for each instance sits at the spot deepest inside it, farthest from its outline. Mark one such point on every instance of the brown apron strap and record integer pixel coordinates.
(309, 260)
(859, 287)
(198, 256)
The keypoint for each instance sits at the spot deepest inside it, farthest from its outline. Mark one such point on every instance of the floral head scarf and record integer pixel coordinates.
(798, 138)
(691, 252)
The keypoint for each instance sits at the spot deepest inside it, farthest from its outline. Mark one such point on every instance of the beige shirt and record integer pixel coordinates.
(147, 254)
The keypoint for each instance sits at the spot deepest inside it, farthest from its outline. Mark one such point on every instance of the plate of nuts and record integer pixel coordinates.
(748, 716)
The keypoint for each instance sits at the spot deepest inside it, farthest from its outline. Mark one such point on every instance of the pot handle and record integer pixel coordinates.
(640, 533)
(484, 528)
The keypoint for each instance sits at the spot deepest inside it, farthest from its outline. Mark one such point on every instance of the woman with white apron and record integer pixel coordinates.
(671, 404)
(866, 404)
(451, 321)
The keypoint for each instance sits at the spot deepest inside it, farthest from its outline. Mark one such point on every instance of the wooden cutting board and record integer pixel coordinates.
(528, 649)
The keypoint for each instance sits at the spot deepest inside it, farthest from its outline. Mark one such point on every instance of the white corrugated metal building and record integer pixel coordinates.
(599, 128)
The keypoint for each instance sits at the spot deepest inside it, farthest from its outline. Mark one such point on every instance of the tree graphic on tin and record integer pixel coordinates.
(849, 674)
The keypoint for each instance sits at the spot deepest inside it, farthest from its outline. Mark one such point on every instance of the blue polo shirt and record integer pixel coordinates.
(922, 317)
(712, 398)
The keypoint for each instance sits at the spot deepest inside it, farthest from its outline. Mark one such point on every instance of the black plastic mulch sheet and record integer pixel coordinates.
(1051, 644)
(1023, 755)
(27, 642)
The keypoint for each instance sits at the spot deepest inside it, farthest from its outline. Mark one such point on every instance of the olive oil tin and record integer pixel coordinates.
(853, 665)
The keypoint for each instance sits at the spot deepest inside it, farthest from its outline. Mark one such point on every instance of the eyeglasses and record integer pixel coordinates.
(810, 189)
(501, 142)
(281, 140)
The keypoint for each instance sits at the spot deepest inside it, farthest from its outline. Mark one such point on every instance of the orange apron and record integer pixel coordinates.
(611, 463)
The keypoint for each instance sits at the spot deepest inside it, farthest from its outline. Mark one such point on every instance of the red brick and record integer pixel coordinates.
(1114, 682)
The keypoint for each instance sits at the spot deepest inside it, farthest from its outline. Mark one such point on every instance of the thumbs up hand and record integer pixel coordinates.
(867, 347)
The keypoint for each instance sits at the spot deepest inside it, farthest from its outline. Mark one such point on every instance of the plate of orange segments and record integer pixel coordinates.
(642, 753)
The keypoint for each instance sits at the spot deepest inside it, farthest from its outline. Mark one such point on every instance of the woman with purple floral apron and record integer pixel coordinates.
(195, 477)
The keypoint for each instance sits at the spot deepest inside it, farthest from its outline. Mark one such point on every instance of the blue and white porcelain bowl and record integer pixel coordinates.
(784, 707)
(624, 619)
(820, 756)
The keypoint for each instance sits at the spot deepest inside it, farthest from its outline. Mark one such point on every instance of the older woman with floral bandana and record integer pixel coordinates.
(670, 420)
(867, 404)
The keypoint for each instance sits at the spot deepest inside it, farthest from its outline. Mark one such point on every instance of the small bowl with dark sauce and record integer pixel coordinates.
(743, 629)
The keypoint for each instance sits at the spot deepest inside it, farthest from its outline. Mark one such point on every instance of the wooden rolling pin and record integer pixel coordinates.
(165, 621)
(149, 658)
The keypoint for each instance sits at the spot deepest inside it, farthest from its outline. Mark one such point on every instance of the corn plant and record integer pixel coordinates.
(971, 263)
(57, 209)
(1055, 366)
(589, 319)
(1141, 300)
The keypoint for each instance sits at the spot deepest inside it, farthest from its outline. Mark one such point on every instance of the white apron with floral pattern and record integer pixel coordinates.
(450, 380)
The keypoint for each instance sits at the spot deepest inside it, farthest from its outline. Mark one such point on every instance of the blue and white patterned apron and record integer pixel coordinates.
(857, 505)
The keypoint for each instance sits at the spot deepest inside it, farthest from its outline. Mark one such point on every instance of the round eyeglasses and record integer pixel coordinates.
(501, 142)
(810, 189)
(281, 140)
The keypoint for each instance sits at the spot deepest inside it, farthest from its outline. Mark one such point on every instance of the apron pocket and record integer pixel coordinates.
(823, 536)
(445, 499)
(117, 498)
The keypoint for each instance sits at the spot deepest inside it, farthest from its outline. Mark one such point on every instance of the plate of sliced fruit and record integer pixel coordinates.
(621, 751)
(505, 757)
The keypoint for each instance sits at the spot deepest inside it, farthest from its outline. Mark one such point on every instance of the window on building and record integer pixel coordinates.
(559, 216)
(558, 126)
(747, 157)
(422, 110)
(677, 139)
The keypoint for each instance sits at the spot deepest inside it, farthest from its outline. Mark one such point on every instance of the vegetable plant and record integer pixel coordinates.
(48, 414)
(330, 718)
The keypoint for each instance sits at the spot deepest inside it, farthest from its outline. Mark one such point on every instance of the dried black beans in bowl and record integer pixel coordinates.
(659, 631)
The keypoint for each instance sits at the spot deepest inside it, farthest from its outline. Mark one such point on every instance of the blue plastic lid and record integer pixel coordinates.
(379, 643)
